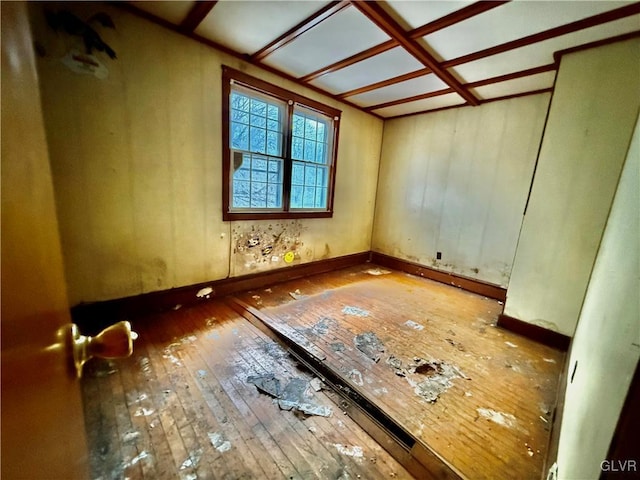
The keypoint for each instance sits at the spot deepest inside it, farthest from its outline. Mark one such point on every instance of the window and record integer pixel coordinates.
(279, 151)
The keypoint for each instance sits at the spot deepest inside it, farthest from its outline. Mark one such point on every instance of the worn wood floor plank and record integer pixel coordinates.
(493, 425)
(181, 408)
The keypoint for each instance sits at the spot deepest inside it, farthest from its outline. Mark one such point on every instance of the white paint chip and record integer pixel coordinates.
(141, 456)
(414, 325)
(512, 345)
(143, 412)
(505, 419)
(219, 442)
(204, 292)
(377, 271)
(549, 360)
(350, 451)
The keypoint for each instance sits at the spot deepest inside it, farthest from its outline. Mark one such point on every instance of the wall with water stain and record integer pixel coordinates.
(591, 121)
(136, 162)
(456, 182)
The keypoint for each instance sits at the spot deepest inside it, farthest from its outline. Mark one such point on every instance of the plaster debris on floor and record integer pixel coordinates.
(439, 375)
(414, 325)
(369, 344)
(377, 271)
(355, 311)
(219, 442)
(297, 295)
(294, 396)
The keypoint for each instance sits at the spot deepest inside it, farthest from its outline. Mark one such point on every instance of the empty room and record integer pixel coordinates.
(320, 240)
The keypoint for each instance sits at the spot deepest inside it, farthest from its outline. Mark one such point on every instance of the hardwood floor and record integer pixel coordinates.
(493, 422)
(182, 406)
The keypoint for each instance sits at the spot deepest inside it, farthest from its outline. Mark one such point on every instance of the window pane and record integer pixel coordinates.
(274, 143)
(239, 136)
(321, 177)
(320, 153)
(308, 200)
(310, 150)
(298, 125)
(240, 116)
(297, 148)
(297, 175)
(258, 195)
(258, 107)
(240, 194)
(239, 102)
(296, 196)
(274, 125)
(321, 132)
(273, 112)
(258, 121)
(258, 140)
(310, 175)
(321, 198)
(274, 196)
(275, 171)
(310, 129)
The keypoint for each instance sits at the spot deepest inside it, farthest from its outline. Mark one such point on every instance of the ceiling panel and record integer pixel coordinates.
(389, 64)
(247, 26)
(347, 34)
(541, 53)
(518, 85)
(509, 22)
(414, 14)
(174, 12)
(410, 88)
(421, 105)
(340, 36)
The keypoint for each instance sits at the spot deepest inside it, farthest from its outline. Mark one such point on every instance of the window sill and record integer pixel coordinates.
(237, 216)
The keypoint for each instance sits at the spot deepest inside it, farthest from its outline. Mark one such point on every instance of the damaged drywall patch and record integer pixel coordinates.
(369, 344)
(260, 246)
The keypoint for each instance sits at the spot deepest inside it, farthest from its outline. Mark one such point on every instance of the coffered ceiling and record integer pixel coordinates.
(396, 58)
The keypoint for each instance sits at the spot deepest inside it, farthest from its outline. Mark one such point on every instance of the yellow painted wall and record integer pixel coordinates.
(136, 161)
(591, 120)
(606, 346)
(456, 181)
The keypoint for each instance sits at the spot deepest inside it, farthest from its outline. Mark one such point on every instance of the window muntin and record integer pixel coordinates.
(278, 151)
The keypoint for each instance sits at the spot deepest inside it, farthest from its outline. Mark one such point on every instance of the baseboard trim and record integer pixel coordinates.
(535, 332)
(93, 317)
(476, 286)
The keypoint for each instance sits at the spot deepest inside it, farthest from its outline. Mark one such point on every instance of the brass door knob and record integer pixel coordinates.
(115, 341)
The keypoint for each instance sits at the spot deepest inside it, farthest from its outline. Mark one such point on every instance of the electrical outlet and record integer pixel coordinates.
(438, 255)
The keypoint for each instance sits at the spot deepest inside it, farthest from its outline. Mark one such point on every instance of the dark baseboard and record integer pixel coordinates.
(93, 317)
(476, 286)
(534, 332)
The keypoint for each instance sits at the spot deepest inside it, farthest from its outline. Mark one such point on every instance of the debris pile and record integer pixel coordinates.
(369, 344)
(293, 396)
(439, 375)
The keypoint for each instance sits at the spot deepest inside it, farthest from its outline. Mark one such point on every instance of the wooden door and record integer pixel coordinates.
(43, 434)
